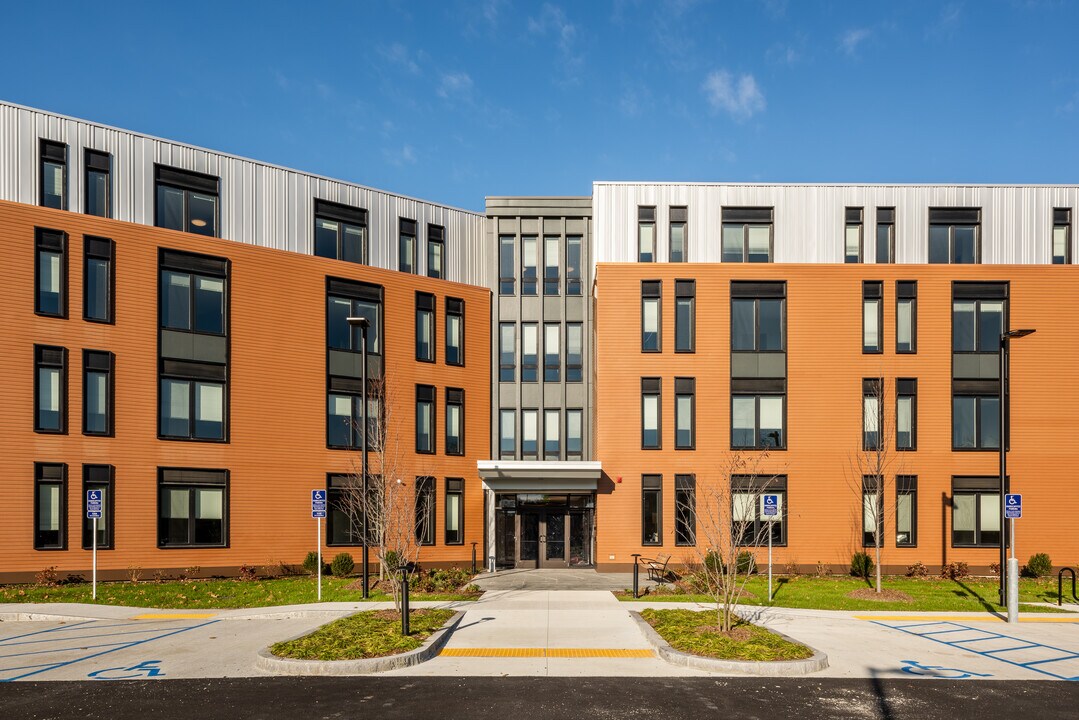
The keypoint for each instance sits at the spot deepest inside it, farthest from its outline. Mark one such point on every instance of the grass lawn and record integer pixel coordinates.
(364, 635)
(695, 632)
(208, 594)
(830, 593)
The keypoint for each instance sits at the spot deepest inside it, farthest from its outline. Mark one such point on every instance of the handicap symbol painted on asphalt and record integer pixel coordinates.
(147, 668)
(937, 671)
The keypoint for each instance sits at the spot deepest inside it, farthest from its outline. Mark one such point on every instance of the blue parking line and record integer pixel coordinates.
(41, 632)
(900, 627)
(82, 637)
(1039, 662)
(56, 650)
(942, 632)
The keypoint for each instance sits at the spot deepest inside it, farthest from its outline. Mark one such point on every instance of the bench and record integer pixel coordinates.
(657, 567)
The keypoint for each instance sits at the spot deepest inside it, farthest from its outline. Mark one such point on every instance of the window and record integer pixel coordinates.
(186, 201)
(507, 352)
(886, 235)
(436, 251)
(757, 324)
(976, 512)
(97, 392)
(50, 273)
(182, 400)
(747, 234)
(425, 419)
(646, 234)
(652, 510)
(365, 303)
(425, 510)
(685, 315)
(872, 510)
(757, 422)
(425, 327)
(852, 235)
(340, 232)
(97, 183)
(100, 478)
(574, 352)
(455, 421)
(505, 265)
(975, 422)
(685, 510)
(455, 331)
(345, 505)
(50, 506)
(552, 353)
(678, 242)
(751, 526)
(954, 235)
(906, 414)
(574, 434)
(872, 316)
(977, 325)
(50, 391)
(552, 441)
(573, 264)
(1062, 236)
(651, 314)
(530, 434)
(906, 511)
(551, 262)
(192, 508)
(406, 245)
(906, 316)
(529, 258)
(345, 418)
(872, 395)
(455, 511)
(98, 279)
(507, 434)
(193, 290)
(529, 352)
(651, 390)
(685, 413)
(53, 173)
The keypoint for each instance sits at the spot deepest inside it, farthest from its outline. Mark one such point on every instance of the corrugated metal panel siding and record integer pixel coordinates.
(1016, 220)
(259, 204)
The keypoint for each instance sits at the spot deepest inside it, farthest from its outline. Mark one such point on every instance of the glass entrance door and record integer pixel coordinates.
(554, 540)
(528, 549)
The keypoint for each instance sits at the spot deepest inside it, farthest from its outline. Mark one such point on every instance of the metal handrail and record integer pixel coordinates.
(1060, 585)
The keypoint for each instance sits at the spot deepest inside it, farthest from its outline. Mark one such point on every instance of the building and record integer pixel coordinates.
(567, 377)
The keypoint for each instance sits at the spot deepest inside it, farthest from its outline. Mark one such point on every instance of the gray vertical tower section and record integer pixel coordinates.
(541, 217)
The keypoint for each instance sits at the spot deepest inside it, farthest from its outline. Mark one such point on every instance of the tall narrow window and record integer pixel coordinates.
(906, 511)
(678, 240)
(747, 234)
(871, 409)
(685, 510)
(53, 172)
(507, 434)
(529, 352)
(651, 312)
(425, 419)
(552, 437)
(685, 315)
(98, 184)
(652, 510)
(436, 251)
(97, 392)
(506, 265)
(425, 327)
(50, 506)
(455, 331)
(685, 413)
(100, 478)
(954, 235)
(574, 352)
(507, 352)
(852, 235)
(872, 511)
(886, 235)
(552, 352)
(340, 232)
(1062, 236)
(186, 201)
(530, 434)
(906, 316)
(193, 508)
(646, 234)
(651, 389)
(574, 434)
(50, 393)
(50, 273)
(425, 510)
(455, 511)
(757, 421)
(872, 316)
(573, 264)
(529, 259)
(406, 245)
(455, 421)
(551, 263)
(98, 279)
(906, 414)
(344, 521)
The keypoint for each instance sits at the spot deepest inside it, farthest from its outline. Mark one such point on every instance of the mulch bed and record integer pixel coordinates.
(885, 595)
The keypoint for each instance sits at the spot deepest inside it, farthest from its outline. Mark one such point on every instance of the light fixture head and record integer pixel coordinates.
(359, 322)
(1019, 333)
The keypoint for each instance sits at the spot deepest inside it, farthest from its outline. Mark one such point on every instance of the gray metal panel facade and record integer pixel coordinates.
(259, 204)
(1016, 221)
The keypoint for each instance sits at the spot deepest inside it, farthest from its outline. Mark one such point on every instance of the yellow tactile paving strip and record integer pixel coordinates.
(174, 616)
(968, 618)
(548, 652)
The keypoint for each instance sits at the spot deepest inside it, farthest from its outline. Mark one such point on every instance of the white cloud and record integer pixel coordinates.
(780, 54)
(741, 99)
(405, 156)
(399, 55)
(946, 22)
(552, 19)
(854, 37)
(454, 84)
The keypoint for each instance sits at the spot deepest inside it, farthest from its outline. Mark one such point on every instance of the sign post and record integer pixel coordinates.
(318, 511)
(1013, 510)
(771, 510)
(93, 512)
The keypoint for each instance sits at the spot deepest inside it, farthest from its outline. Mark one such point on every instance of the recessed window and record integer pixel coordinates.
(455, 511)
(529, 258)
(685, 413)
(455, 331)
(530, 434)
(871, 409)
(340, 307)
(852, 235)
(906, 511)
(678, 240)
(573, 264)
(50, 389)
(99, 478)
(455, 421)
(906, 414)
(192, 508)
(551, 263)
(344, 420)
(340, 232)
(50, 506)
(425, 327)
(1062, 236)
(506, 278)
(425, 510)
(406, 245)
(192, 409)
(906, 316)
(425, 419)
(53, 173)
(552, 437)
(529, 352)
(186, 201)
(955, 235)
(507, 352)
(757, 323)
(747, 234)
(436, 251)
(751, 525)
(886, 235)
(345, 505)
(651, 314)
(976, 512)
(507, 434)
(975, 422)
(50, 273)
(97, 392)
(977, 325)
(872, 316)
(757, 422)
(872, 510)
(652, 510)
(193, 293)
(685, 510)
(98, 279)
(685, 315)
(552, 352)
(574, 434)
(98, 183)
(646, 234)
(651, 393)
(574, 352)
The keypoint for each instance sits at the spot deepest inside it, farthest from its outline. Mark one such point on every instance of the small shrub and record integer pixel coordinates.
(954, 570)
(47, 577)
(746, 564)
(1039, 565)
(917, 569)
(822, 569)
(310, 563)
(391, 561)
(134, 574)
(994, 568)
(342, 564)
(72, 579)
(439, 580)
(713, 563)
(861, 565)
(248, 573)
(790, 568)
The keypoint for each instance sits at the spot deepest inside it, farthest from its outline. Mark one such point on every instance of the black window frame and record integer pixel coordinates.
(574, 368)
(427, 394)
(646, 217)
(747, 217)
(195, 266)
(906, 291)
(907, 388)
(407, 228)
(187, 182)
(685, 292)
(652, 387)
(99, 248)
(507, 284)
(53, 357)
(871, 486)
(885, 222)
(574, 283)
(979, 442)
(873, 292)
(96, 161)
(454, 487)
(953, 218)
(455, 398)
(356, 294)
(758, 486)
(685, 510)
(907, 485)
(343, 215)
(436, 238)
(757, 396)
(853, 219)
(552, 274)
(976, 487)
(747, 292)
(679, 217)
(193, 479)
(1062, 219)
(53, 152)
(51, 241)
(190, 375)
(337, 486)
(872, 389)
(652, 484)
(686, 387)
(99, 476)
(103, 362)
(50, 474)
(652, 292)
(455, 308)
(427, 503)
(425, 306)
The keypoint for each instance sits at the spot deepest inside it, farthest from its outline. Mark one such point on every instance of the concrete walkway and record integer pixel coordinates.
(573, 579)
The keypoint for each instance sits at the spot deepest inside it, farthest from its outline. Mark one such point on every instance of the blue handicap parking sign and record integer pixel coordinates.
(93, 504)
(1013, 506)
(318, 503)
(771, 505)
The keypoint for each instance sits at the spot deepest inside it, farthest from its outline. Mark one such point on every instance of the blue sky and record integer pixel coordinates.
(455, 100)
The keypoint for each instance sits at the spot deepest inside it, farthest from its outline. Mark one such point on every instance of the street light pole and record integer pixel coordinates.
(362, 323)
(1005, 435)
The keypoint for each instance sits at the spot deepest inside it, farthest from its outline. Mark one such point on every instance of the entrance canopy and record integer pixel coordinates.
(540, 476)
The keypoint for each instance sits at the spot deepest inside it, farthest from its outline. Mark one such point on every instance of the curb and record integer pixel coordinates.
(271, 663)
(45, 617)
(779, 668)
